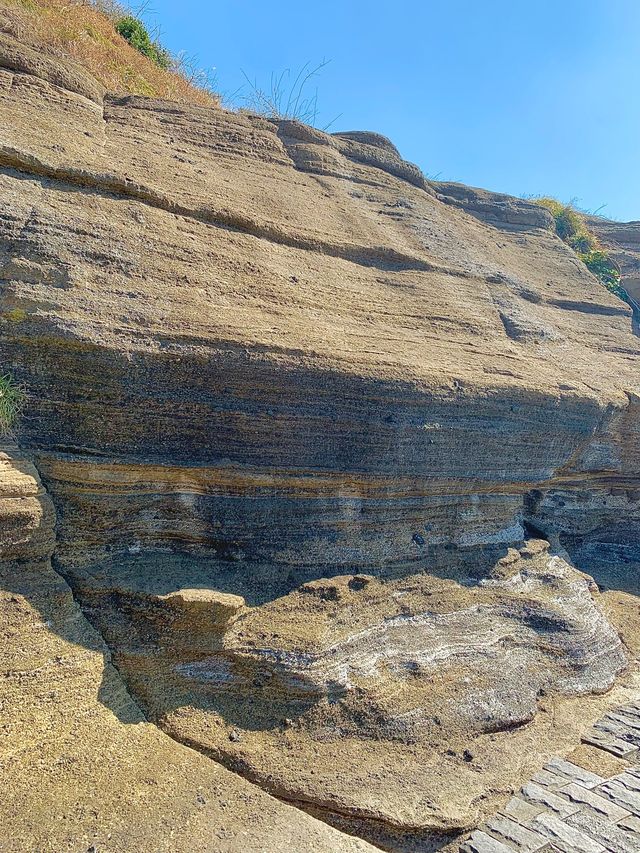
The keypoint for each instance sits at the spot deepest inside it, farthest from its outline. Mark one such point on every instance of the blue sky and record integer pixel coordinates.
(518, 96)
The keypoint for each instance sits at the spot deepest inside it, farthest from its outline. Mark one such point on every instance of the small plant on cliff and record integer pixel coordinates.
(135, 32)
(287, 96)
(11, 402)
(571, 227)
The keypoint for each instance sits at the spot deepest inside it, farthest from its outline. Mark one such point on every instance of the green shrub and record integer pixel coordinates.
(135, 32)
(601, 265)
(569, 223)
(11, 403)
(571, 227)
(583, 243)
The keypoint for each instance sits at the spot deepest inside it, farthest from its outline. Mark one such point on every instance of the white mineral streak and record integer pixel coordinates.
(546, 621)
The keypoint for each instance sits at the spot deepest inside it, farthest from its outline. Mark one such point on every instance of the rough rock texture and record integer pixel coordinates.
(306, 419)
(623, 241)
(352, 681)
(81, 768)
(587, 804)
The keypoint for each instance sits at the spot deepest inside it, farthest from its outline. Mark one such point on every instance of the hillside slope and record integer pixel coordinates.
(79, 30)
(330, 447)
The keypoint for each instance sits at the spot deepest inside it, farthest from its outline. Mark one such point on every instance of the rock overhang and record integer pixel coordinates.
(258, 355)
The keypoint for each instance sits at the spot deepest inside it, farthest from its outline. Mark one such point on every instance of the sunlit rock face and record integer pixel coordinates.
(307, 421)
(413, 673)
(622, 240)
(78, 759)
(405, 631)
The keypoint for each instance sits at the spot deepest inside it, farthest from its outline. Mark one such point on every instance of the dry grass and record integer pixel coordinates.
(571, 227)
(87, 34)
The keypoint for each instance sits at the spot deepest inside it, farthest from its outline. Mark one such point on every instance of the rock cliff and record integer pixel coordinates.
(623, 241)
(331, 448)
(81, 768)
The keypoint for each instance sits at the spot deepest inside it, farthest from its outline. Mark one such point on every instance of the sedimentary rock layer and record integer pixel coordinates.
(81, 768)
(302, 414)
(622, 239)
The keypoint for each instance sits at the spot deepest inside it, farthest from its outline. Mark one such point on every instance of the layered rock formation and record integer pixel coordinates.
(623, 241)
(81, 768)
(309, 423)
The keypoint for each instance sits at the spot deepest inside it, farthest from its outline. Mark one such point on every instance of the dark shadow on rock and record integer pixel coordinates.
(611, 557)
(124, 599)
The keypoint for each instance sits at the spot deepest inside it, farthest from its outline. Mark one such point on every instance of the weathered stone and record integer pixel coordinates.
(629, 780)
(631, 710)
(537, 795)
(632, 824)
(58, 70)
(619, 730)
(521, 810)
(574, 772)
(512, 832)
(567, 838)
(480, 842)
(549, 779)
(600, 805)
(621, 795)
(615, 838)
(78, 759)
(626, 720)
(605, 740)
(265, 362)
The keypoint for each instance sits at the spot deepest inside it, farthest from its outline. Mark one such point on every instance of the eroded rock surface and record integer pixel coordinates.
(349, 680)
(80, 766)
(308, 421)
(623, 241)
(590, 802)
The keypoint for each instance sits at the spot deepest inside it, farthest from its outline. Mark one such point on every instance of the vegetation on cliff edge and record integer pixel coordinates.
(572, 228)
(124, 64)
(134, 31)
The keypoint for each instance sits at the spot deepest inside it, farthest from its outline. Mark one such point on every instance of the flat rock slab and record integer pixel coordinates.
(480, 842)
(618, 838)
(574, 772)
(564, 836)
(511, 832)
(602, 806)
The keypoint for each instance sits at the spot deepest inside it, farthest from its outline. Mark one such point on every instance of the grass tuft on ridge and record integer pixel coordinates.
(11, 402)
(572, 228)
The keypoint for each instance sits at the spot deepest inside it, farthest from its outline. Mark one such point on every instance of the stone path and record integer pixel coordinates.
(568, 809)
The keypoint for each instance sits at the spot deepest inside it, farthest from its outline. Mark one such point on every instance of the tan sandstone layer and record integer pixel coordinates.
(623, 241)
(310, 423)
(81, 769)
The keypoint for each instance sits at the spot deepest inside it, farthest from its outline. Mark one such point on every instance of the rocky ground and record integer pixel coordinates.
(81, 768)
(345, 465)
(589, 804)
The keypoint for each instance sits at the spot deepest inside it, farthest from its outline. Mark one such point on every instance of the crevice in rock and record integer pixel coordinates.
(351, 821)
(369, 827)
(590, 307)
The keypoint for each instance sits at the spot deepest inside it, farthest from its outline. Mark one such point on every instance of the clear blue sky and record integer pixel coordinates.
(521, 96)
